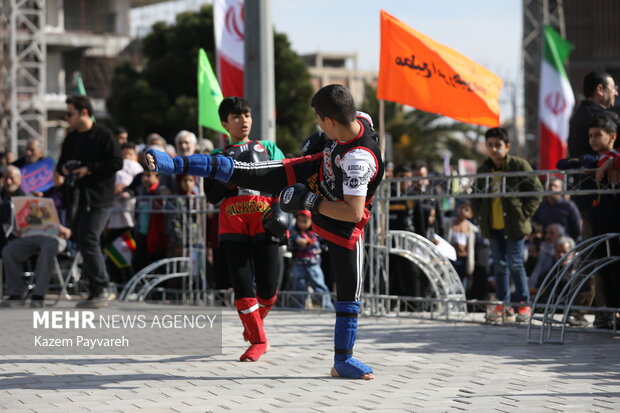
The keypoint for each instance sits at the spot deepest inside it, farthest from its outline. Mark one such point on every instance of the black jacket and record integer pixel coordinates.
(98, 150)
(578, 127)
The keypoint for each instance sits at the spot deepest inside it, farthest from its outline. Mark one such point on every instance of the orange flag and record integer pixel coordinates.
(417, 71)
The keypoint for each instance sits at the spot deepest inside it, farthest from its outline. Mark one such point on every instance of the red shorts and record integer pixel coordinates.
(241, 217)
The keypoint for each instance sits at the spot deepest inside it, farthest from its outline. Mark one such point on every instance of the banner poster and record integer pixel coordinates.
(38, 176)
(36, 216)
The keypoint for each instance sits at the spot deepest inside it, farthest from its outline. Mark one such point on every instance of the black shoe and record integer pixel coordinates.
(95, 300)
(37, 301)
(13, 301)
(603, 321)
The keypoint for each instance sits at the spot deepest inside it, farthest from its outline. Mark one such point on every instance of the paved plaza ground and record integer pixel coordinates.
(420, 366)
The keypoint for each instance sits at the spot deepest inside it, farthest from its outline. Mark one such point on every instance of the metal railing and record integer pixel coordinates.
(185, 217)
(495, 185)
(564, 282)
(380, 242)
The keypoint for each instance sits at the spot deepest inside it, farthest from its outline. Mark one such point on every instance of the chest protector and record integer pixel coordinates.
(250, 152)
(331, 177)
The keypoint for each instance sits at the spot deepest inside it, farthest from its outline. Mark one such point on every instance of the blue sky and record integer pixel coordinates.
(486, 31)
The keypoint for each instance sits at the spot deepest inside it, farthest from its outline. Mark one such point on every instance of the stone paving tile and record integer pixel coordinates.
(421, 366)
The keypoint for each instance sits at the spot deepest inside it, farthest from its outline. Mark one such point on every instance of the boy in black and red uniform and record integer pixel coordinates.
(336, 185)
(251, 251)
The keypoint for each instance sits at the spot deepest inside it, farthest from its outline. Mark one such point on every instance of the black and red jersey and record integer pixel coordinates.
(354, 167)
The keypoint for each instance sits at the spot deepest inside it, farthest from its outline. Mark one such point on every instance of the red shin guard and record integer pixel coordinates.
(253, 324)
(264, 306)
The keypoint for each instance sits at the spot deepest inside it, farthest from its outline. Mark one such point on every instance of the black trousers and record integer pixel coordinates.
(87, 229)
(250, 261)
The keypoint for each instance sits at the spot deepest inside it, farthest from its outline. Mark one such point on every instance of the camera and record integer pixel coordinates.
(71, 178)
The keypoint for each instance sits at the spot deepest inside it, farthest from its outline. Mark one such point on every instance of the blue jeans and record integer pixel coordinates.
(508, 260)
(303, 275)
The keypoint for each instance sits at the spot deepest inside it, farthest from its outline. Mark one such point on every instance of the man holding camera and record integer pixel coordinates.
(89, 159)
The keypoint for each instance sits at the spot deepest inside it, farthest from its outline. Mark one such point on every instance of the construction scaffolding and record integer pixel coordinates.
(23, 63)
(43, 43)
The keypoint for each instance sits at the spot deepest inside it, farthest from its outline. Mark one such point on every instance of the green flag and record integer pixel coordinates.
(79, 84)
(209, 95)
(79, 87)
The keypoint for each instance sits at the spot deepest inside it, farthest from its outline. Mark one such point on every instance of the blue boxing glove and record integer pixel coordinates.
(217, 167)
(297, 198)
(164, 163)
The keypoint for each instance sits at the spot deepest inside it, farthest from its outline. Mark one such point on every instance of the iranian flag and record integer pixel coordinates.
(555, 101)
(121, 250)
(228, 23)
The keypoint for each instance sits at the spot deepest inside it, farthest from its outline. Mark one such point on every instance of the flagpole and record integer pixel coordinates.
(200, 136)
(382, 127)
(385, 205)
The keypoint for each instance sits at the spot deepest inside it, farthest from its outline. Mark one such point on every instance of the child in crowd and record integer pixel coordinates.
(576, 318)
(306, 267)
(602, 137)
(546, 256)
(122, 215)
(462, 236)
(506, 222)
(151, 240)
(602, 133)
(182, 225)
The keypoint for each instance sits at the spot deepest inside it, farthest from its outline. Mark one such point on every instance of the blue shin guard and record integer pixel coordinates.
(344, 339)
(217, 167)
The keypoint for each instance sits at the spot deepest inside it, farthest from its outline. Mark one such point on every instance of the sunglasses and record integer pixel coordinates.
(70, 113)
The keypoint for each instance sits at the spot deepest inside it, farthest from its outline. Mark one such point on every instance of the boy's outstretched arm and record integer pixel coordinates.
(217, 167)
(267, 176)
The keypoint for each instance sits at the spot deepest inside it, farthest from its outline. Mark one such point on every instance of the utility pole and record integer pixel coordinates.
(259, 74)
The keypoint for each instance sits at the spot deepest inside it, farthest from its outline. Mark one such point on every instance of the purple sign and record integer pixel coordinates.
(38, 176)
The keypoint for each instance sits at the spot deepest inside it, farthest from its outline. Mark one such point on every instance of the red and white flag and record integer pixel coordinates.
(228, 22)
(556, 100)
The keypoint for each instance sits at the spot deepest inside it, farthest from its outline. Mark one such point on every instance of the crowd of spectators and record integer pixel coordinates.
(507, 245)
